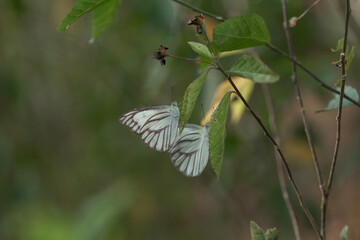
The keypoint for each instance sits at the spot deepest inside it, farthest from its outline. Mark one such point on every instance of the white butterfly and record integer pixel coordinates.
(190, 152)
(157, 125)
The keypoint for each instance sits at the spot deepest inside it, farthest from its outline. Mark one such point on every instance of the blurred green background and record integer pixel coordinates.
(69, 170)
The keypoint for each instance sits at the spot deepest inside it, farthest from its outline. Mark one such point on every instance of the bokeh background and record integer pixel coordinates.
(69, 170)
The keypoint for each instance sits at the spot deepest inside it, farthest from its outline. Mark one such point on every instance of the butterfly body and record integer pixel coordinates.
(157, 125)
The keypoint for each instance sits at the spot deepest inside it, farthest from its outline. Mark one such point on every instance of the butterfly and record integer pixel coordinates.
(190, 152)
(156, 125)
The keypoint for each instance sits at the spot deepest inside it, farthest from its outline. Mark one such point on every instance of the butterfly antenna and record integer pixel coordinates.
(172, 92)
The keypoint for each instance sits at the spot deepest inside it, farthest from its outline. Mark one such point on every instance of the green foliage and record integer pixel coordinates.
(190, 98)
(339, 45)
(343, 233)
(257, 233)
(349, 57)
(217, 133)
(102, 16)
(80, 8)
(203, 65)
(103, 12)
(334, 103)
(241, 32)
(200, 49)
(252, 68)
(271, 234)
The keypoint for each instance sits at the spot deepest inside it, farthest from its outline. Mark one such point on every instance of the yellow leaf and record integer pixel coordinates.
(244, 85)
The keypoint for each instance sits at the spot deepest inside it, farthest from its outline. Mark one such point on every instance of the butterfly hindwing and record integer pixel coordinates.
(157, 125)
(190, 152)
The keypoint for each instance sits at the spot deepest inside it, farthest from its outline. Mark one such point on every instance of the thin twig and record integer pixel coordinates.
(308, 9)
(299, 98)
(343, 79)
(210, 45)
(276, 146)
(308, 71)
(191, 59)
(273, 127)
(219, 18)
(338, 117)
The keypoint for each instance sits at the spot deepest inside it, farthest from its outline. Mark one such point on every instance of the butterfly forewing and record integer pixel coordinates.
(157, 125)
(190, 152)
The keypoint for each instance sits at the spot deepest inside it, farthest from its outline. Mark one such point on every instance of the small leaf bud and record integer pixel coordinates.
(292, 21)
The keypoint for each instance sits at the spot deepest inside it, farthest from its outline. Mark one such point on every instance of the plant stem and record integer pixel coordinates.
(273, 127)
(308, 9)
(343, 79)
(338, 117)
(219, 18)
(276, 146)
(209, 43)
(308, 71)
(191, 59)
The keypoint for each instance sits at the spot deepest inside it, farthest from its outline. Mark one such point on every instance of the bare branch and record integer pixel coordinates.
(338, 117)
(302, 109)
(308, 71)
(294, 20)
(273, 127)
(196, 9)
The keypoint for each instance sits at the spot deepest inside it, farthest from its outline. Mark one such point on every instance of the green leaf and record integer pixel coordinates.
(217, 133)
(339, 45)
(338, 83)
(271, 234)
(102, 16)
(256, 232)
(343, 233)
(216, 49)
(190, 97)
(254, 69)
(349, 57)
(80, 8)
(241, 32)
(200, 49)
(334, 103)
(203, 65)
